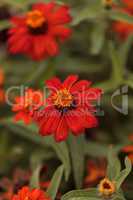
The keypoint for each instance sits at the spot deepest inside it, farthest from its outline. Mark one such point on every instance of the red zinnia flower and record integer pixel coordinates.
(25, 194)
(69, 108)
(122, 28)
(27, 104)
(36, 33)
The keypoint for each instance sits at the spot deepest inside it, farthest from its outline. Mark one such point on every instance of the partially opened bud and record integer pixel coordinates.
(106, 188)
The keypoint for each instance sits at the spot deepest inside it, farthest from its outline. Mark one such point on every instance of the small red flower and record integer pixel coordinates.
(36, 33)
(26, 194)
(69, 108)
(122, 28)
(26, 105)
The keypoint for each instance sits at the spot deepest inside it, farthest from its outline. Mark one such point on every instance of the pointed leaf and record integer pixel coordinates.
(121, 16)
(55, 182)
(78, 156)
(124, 173)
(34, 181)
(91, 194)
(97, 38)
(114, 166)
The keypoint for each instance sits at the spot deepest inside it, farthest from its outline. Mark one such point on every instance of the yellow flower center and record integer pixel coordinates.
(35, 19)
(106, 187)
(62, 98)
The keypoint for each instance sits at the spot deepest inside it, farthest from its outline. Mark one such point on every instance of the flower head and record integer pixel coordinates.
(26, 194)
(123, 28)
(26, 105)
(106, 188)
(36, 33)
(69, 108)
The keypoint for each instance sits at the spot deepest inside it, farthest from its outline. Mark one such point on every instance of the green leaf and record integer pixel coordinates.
(95, 149)
(35, 178)
(61, 150)
(117, 73)
(78, 156)
(117, 65)
(4, 24)
(40, 155)
(121, 16)
(18, 4)
(55, 182)
(124, 49)
(97, 37)
(90, 194)
(36, 165)
(124, 173)
(114, 166)
(89, 12)
(118, 196)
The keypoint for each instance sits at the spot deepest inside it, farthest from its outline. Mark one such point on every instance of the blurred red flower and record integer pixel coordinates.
(123, 28)
(35, 34)
(2, 92)
(129, 149)
(69, 108)
(96, 170)
(9, 187)
(35, 194)
(19, 179)
(26, 105)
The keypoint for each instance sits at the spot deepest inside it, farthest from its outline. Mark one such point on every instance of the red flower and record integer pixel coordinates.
(69, 108)
(10, 186)
(2, 92)
(122, 28)
(25, 193)
(95, 172)
(19, 179)
(36, 33)
(2, 77)
(129, 149)
(26, 105)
